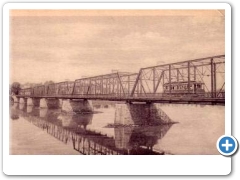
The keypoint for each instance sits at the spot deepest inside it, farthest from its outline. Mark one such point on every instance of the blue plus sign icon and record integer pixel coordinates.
(227, 145)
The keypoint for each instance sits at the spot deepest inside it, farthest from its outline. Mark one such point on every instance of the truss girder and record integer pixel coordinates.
(148, 82)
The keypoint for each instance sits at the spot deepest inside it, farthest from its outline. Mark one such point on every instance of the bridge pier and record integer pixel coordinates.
(78, 106)
(16, 99)
(43, 103)
(29, 101)
(140, 114)
(23, 100)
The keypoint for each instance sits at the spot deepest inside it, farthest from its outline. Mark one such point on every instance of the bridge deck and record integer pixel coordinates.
(177, 100)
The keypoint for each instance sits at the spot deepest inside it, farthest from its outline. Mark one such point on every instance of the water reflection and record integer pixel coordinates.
(29, 109)
(22, 106)
(140, 140)
(15, 106)
(75, 120)
(104, 104)
(72, 129)
(14, 117)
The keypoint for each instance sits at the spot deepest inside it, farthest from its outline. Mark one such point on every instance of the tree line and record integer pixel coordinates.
(15, 87)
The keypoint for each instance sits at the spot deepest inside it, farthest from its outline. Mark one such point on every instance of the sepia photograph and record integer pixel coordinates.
(116, 81)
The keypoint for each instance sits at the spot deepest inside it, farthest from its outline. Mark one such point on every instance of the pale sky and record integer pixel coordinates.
(59, 45)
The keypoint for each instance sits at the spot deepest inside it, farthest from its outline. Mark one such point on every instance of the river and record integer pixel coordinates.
(195, 130)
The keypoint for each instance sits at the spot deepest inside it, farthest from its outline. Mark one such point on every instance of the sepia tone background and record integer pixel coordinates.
(61, 45)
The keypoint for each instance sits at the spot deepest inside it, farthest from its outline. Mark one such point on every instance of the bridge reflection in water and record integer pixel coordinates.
(72, 129)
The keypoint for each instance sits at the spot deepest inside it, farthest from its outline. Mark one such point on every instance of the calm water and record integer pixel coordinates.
(197, 129)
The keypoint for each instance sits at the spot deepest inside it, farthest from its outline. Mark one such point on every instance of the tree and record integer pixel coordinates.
(30, 85)
(15, 88)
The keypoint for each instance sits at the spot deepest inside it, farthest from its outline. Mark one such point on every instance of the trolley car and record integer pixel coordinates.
(178, 89)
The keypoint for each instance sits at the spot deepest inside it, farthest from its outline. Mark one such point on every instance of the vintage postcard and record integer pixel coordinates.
(117, 80)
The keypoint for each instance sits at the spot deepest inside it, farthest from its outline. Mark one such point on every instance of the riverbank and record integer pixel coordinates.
(27, 139)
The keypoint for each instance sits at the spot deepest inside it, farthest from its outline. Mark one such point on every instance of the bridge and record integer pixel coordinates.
(199, 81)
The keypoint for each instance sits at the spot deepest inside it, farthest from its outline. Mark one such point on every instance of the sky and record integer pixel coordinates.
(61, 45)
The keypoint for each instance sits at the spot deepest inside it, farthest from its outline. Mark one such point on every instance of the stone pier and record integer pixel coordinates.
(16, 100)
(140, 114)
(23, 100)
(77, 106)
(43, 103)
(29, 101)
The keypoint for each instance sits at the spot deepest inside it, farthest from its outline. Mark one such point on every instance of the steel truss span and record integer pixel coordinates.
(192, 81)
